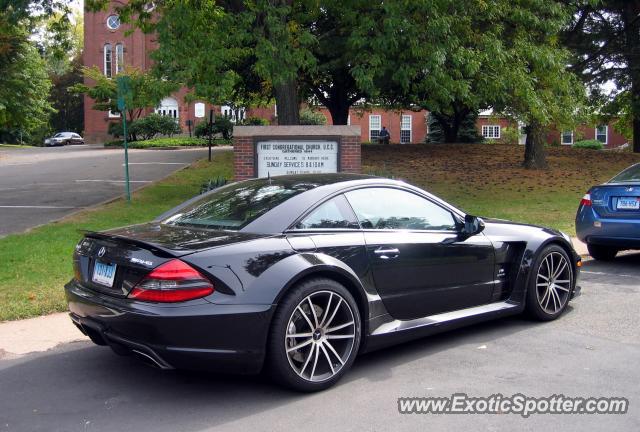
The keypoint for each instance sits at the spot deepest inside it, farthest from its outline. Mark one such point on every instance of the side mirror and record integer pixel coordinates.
(472, 225)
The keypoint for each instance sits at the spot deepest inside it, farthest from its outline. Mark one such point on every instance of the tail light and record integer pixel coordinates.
(586, 200)
(173, 281)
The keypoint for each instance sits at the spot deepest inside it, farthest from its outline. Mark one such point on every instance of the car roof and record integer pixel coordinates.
(279, 218)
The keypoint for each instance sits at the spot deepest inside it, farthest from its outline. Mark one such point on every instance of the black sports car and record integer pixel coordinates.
(299, 274)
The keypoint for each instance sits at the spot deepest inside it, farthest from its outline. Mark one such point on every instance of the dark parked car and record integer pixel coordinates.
(608, 218)
(301, 273)
(64, 138)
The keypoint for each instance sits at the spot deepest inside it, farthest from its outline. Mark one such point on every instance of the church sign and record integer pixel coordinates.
(281, 157)
(268, 151)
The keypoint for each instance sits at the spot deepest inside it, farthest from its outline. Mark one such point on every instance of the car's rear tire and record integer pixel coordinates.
(602, 253)
(325, 319)
(550, 284)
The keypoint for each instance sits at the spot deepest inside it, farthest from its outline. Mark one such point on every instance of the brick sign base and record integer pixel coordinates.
(246, 139)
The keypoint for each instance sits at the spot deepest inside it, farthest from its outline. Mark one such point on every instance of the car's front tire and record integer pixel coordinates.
(550, 284)
(314, 337)
(602, 253)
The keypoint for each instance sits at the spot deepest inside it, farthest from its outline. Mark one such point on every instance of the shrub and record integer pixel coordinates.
(508, 135)
(221, 125)
(212, 184)
(308, 117)
(168, 142)
(589, 144)
(115, 129)
(114, 143)
(255, 121)
(201, 130)
(152, 125)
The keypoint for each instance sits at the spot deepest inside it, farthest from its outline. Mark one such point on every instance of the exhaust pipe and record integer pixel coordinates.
(150, 360)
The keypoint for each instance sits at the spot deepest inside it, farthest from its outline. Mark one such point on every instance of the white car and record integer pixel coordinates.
(64, 138)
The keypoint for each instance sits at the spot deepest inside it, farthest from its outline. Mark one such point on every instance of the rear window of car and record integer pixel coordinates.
(234, 206)
(630, 174)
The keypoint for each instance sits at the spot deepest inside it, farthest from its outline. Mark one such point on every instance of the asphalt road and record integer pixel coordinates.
(39, 185)
(593, 350)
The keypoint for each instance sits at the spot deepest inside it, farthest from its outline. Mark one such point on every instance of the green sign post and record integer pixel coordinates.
(124, 99)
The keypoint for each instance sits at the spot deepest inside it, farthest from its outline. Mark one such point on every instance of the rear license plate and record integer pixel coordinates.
(631, 203)
(104, 274)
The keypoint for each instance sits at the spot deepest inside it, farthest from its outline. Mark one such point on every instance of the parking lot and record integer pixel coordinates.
(592, 350)
(39, 185)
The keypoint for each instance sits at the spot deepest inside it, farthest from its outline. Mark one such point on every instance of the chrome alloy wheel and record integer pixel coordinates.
(320, 336)
(553, 283)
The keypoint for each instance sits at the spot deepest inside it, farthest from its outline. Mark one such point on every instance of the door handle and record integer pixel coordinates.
(387, 253)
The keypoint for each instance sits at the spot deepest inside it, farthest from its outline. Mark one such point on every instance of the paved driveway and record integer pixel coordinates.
(593, 350)
(43, 184)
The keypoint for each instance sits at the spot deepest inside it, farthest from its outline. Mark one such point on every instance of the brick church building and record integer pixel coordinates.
(109, 46)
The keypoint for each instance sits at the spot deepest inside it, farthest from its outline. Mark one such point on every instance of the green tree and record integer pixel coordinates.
(604, 36)
(467, 131)
(460, 57)
(65, 71)
(24, 84)
(68, 105)
(147, 90)
(24, 91)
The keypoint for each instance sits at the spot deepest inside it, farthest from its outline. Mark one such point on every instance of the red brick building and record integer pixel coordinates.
(108, 46)
(493, 127)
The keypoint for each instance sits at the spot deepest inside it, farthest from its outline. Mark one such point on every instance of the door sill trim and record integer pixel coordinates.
(400, 325)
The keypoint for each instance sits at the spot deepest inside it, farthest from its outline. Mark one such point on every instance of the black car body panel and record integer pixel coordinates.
(437, 280)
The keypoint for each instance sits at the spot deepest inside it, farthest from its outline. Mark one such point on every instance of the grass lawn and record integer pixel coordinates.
(487, 180)
(35, 265)
(15, 145)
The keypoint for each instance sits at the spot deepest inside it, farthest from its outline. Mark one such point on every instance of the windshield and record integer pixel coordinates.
(630, 174)
(234, 206)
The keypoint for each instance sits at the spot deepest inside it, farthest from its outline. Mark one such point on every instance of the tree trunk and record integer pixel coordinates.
(632, 40)
(534, 152)
(287, 104)
(339, 113)
(449, 132)
(451, 124)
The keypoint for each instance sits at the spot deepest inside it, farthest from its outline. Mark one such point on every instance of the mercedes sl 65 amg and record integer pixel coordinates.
(297, 275)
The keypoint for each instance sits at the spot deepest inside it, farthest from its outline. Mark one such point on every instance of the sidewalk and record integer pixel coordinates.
(580, 247)
(21, 337)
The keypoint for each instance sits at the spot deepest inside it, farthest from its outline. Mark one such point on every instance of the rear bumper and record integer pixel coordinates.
(194, 335)
(622, 233)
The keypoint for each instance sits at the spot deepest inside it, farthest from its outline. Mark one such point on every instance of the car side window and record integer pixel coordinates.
(387, 208)
(332, 214)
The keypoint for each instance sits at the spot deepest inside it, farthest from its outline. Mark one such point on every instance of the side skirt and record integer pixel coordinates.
(398, 331)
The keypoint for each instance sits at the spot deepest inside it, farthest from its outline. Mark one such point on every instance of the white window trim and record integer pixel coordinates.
(114, 114)
(117, 62)
(606, 134)
(104, 60)
(562, 141)
(486, 127)
(379, 128)
(410, 129)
